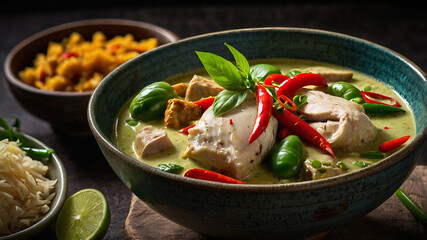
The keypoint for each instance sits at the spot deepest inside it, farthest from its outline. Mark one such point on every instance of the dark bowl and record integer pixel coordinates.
(66, 111)
(56, 171)
(291, 210)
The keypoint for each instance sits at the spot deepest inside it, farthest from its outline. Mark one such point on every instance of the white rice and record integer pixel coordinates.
(25, 191)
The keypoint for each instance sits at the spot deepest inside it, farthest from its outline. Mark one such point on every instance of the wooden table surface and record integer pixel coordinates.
(401, 28)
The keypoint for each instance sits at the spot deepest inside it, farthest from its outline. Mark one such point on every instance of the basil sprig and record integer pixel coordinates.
(237, 79)
(227, 100)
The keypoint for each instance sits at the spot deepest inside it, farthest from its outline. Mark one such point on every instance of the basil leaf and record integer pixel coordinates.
(170, 167)
(241, 61)
(259, 72)
(222, 71)
(227, 100)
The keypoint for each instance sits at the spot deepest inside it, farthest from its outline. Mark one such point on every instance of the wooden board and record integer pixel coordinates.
(389, 221)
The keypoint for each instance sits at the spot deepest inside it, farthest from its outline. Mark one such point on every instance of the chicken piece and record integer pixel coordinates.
(180, 89)
(343, 123)
(180, 113)
(150, 141)
(327, 169)
(222, 142)
(330, 74)
(200, 87)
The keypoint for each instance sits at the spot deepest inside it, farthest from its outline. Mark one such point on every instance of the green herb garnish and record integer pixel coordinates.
(170, 167)
(361, 164)
(237, 79)
(372, 155)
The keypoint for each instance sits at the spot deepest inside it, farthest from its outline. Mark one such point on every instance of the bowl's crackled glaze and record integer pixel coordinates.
(296, 210)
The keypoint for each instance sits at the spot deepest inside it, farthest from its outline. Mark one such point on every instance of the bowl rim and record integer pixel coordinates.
(55, 207)
(12, 79)
(103, 140)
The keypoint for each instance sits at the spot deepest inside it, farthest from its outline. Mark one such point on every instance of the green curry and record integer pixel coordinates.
(387, 127)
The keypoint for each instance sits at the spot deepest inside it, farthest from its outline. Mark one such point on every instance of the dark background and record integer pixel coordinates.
(400, 27)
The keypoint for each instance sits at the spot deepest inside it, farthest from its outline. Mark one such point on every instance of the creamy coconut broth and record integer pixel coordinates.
(387, 128)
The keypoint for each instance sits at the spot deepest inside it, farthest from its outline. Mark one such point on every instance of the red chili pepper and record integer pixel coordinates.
(185, 130)
(276, 78)
(302, 129)
(370, 96)
(393, 144)
(289, 87)
(205, 103)
(284, 132)
(264, 106)
(66, 55)
(203, 174)
(113, 48)
(43, 75)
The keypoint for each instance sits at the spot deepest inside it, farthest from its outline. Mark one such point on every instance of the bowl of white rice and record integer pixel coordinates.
(32, 191)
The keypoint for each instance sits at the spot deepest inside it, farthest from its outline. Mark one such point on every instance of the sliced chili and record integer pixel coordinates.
(205, 103)
(66, 55)
(393, 144)
(185, 130)
(287, 103)
(203, 174)
(276, 79)
(294, 83)
(371, 96)
(303, 130)
(264, 106)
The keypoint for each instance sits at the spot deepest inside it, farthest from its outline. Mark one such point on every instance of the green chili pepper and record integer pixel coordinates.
(151, 102)
(287, 157)
(376, 109)
(412, 206)
(38, 153)
(346, 91)
(170, 167)
(259, 72)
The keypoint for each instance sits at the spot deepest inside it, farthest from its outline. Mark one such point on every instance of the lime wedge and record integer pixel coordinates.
(85, 215)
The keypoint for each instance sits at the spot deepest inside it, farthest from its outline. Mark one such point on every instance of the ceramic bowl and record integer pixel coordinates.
(66, 111)
(292, 210)
(56, 171)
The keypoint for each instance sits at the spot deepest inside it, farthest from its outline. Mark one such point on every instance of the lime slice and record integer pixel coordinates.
(85, 215)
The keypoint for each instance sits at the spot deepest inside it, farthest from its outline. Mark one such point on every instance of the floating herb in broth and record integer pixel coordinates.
(387, 128)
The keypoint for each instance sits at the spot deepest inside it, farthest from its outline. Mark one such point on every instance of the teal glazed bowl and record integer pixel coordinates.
(56, 171)
(292, 210)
